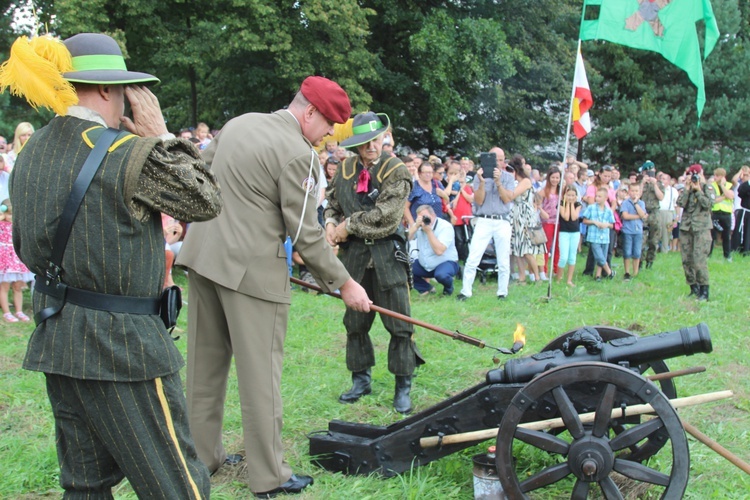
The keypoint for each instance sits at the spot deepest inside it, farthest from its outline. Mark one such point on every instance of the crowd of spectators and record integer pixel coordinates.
(448, 187)
(642, 206)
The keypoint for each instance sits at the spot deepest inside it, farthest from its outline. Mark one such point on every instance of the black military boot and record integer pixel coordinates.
(361, 385)
(694, 291)
(703, 293)
(402, 401)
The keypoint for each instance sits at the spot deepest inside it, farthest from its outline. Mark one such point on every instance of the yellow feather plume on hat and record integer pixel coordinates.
(34, 71)
(341, 131)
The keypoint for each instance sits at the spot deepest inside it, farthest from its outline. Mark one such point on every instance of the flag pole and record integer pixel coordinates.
(551, 259)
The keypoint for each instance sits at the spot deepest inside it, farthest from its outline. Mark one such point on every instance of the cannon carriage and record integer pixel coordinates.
(590, 380)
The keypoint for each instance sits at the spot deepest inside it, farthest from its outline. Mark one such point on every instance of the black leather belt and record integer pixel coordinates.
(369, 241)
(495, 217)
(100, 301)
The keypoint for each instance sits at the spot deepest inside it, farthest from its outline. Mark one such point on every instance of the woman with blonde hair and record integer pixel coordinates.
(22, 134)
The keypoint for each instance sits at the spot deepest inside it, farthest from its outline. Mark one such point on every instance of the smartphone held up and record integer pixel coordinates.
(488, 162)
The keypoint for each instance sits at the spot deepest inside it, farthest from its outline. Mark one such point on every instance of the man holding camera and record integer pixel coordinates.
(695, 236)
(493, 198)
(652, 193)
(366, 202)
(721, 213)
(438, 257)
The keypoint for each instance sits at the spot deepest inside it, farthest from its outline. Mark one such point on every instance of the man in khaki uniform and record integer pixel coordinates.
(239, 283)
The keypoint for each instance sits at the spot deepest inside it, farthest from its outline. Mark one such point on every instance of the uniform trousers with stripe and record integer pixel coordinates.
(109, 430)
(485, 230)
(223, 323)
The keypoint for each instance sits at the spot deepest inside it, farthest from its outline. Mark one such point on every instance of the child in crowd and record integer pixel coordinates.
(12, 271)
(172, 232)
(570, 232)
(452, 182)
(460, 212)
(633, 213)
(599, 217)
(203, 135)
(541, 258)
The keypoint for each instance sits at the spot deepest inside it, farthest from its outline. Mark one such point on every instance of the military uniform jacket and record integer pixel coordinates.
(263, 164)
(113, 248)
(378, 221)
(649, 197)
(696, 205)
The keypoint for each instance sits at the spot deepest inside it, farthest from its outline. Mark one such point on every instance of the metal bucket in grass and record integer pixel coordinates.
(486, 481)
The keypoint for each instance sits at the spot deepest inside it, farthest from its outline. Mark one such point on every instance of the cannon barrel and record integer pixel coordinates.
(632, 350)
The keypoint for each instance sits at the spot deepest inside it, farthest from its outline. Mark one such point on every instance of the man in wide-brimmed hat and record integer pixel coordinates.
(366, 202)
(239, 286)
(111, 368)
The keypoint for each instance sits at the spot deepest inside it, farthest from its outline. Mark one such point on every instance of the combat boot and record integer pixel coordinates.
(402, 401)
(361, 386)
(703, 293)
(694, 291)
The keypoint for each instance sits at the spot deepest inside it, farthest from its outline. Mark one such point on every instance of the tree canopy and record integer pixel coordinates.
(456, 76)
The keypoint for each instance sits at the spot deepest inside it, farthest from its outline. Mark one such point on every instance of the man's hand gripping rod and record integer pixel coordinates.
(519, 339)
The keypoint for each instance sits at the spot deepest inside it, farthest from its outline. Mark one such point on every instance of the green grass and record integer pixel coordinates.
(315, 374)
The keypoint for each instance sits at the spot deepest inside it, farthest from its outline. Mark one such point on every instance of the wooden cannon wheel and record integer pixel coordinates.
(589, 454)
(650, 446)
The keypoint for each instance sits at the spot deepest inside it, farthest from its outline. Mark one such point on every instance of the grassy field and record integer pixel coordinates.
(315, 374)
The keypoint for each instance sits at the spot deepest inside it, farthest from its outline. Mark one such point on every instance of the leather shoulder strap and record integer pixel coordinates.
(81, 185)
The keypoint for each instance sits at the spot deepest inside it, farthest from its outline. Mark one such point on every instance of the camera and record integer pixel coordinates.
(426, 220)
(694, 178)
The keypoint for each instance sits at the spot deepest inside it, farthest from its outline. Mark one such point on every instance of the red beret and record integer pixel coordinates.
(326, 95)
(695, 169)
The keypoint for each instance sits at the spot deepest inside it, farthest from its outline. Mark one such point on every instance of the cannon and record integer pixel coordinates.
(594, 369)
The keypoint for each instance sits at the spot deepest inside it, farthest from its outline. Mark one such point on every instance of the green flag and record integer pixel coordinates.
(663, 26)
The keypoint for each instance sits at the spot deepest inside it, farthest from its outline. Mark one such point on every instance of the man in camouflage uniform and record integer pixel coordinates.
(695, 230)
(366, 202)
(653, 193)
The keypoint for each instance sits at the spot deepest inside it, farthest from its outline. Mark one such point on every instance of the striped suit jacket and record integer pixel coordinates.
(109, 251)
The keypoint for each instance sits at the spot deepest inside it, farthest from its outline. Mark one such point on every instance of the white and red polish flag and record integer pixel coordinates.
(582, 100)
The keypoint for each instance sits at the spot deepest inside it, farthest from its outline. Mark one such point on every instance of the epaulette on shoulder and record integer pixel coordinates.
(349, 167)
(388, 167)
(91, 135)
